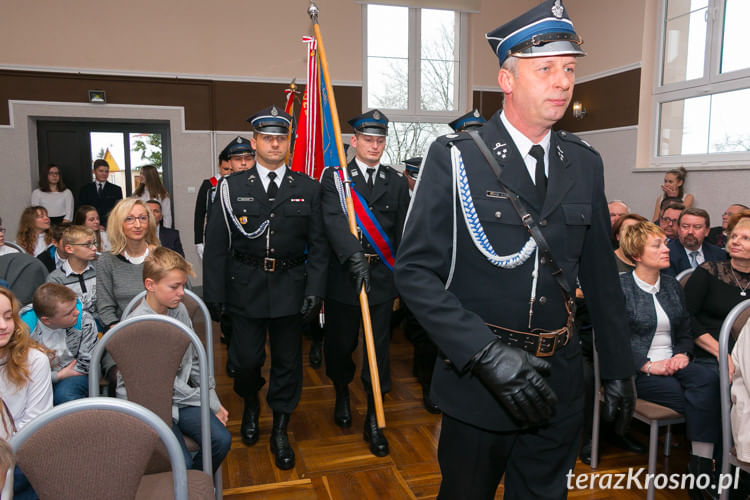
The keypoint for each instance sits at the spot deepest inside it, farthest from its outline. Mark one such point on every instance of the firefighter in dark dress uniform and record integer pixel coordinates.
(509, 375)
(385, 195)
(265, 262)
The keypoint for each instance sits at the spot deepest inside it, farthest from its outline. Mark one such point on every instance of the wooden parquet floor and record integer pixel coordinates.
(336, 464)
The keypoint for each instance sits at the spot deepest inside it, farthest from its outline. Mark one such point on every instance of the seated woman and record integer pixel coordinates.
(34, 234)
(662, 344)
(624, 265)
(5, 249)
(86, 215)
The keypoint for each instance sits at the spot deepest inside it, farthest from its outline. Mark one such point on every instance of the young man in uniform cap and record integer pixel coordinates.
(511, 388)
(241, 155)
(265, 262)
(470, 120)
(385, 198)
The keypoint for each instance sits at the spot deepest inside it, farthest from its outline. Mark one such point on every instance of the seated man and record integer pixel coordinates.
(689, 249)
(169, 238)
(668, 219)
(57, 320)
(718, 235)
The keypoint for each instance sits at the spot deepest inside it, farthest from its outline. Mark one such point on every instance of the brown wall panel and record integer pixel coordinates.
(209, 105)
(487, 102)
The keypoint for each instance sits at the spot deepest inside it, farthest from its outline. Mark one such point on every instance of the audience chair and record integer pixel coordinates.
(732, 325)
(683, 277)
(202, 324)
(15, 245)
(62, 452)
(147, 351)
(652, 414)
(24, 273)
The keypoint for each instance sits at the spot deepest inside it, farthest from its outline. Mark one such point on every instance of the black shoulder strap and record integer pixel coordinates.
(528, 221)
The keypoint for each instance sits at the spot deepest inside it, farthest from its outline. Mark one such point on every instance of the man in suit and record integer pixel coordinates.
(718, 235)
(265, 261)
(669, 217)
(168, 237)
(384, 196)
(497, 303)
(100, 194)
(691, 249)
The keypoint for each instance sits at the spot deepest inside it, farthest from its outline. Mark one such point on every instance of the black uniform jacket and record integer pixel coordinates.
(201, 208)
(388, 202)
(454, 311)
(111, 194)
(296, 230)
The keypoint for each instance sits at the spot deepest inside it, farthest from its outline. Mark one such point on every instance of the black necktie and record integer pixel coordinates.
(99, 189)
(371, 177)
(540, 179)
(272, 187)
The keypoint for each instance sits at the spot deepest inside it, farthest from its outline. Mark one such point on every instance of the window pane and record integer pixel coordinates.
(387, 31)
(387, 83)
(734, 46)
(681, 7)
(684, 46)
(407, 140)
(707, 124)
(108, 145)
(729, 131)
(439, 78)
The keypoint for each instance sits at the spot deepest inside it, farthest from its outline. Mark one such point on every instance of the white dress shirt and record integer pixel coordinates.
(263, 173)
(524, 144)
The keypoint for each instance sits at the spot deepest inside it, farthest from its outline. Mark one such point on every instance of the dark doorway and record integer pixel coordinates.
(127, 146)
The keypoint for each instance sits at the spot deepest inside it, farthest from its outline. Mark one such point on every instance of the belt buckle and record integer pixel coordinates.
(370, 257)
(269, 264)
(550, 335)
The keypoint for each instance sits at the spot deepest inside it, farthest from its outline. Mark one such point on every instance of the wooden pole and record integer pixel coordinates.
(363, 302)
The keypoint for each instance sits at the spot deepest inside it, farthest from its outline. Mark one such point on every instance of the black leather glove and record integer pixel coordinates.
(619, 403)
(514, 377)
(215, 310)
(359, 271)
(310, 307)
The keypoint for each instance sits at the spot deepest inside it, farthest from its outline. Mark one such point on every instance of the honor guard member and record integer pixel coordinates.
(265, 261)
(469, 121)
(207, 192)
(384, 197)
(502, 222)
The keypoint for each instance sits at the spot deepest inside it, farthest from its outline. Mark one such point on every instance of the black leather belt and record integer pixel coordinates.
(372, 258)
(542, 343)
(268, 264)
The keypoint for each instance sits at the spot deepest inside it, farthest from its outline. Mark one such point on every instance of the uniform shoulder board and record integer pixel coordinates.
(574, 139)
(448, 139)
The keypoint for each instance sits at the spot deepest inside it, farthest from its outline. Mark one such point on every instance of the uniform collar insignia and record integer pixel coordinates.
(560, 153)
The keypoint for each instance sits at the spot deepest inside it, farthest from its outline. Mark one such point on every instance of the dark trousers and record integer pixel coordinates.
(425, 351)
(535, 462)
(692, 391)
(247, 353)
(189, 425)
(342, 335)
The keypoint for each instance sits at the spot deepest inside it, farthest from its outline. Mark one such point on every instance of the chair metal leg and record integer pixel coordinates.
(595, 433)
(668, 441)
(218, 488)
(653, 445)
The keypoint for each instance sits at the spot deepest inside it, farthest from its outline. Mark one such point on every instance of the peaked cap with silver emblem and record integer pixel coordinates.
(470, 120)
(237, 146)
(545, 30)
(271, 121)
(374, 122)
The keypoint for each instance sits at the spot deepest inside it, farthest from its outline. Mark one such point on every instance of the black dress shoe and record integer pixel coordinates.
(698, 466)
(282, 450)
(629, 444)
(342, 414)
(316, 353)
(585, 454)
(374, 436)
(429, 405)
(249, 429)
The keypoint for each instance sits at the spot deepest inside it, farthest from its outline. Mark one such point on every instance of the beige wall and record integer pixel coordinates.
(182, 37)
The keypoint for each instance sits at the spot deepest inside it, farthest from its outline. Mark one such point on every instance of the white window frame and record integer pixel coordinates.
(712, 82)
(414, 113)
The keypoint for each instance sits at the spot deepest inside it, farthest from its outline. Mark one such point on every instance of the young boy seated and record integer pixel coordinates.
(78, 271)
(55, 254)
(165, 274)
(57, 320)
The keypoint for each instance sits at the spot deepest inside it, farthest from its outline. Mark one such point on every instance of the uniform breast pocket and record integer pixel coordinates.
(245, 209)
(577, 221)
(385, 205)
(298, 210)
(498, 210)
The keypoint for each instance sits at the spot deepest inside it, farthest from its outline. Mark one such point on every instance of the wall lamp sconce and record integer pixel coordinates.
(578, 110)
(97, 97)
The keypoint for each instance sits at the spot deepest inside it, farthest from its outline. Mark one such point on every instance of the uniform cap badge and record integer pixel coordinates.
(476, 113)
(557, 9)
(274, 111)
(376, 115)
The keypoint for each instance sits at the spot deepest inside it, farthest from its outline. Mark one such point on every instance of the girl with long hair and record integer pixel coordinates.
(53, 195)
(33, 234)
(151, 188)
(87, 216)
(673, 189)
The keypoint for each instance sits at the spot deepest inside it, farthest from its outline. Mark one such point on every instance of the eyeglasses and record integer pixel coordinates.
(2, 229)
(86, 244)
(668, 220)
(130, 220)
